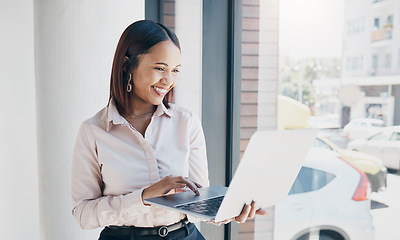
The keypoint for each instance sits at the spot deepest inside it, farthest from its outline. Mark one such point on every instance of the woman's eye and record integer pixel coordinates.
(159, 69)
(176, 70)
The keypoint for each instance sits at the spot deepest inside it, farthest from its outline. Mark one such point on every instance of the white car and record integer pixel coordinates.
(385, 145)
(370, 165)
(329, 200)
(361, 128)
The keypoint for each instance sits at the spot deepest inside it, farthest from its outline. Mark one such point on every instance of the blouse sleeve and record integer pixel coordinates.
(198, 167)
(90, 208)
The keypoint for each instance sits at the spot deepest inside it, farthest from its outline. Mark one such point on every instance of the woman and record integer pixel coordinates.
(140, 145)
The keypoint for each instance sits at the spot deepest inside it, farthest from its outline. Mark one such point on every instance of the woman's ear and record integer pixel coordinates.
(127, 64)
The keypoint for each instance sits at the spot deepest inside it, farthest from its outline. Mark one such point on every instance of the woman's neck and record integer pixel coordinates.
(139, 109)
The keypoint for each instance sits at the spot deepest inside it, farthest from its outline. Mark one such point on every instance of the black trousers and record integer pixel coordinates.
(189, 232)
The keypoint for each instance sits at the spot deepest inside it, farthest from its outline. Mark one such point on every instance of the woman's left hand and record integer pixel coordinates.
(248, 212)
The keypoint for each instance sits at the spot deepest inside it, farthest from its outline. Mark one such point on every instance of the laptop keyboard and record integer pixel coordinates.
(207, 207)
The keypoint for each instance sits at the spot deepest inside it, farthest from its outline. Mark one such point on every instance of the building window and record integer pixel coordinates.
(362, 24)
(389, 19)
(355, 26)
(354, 64)
(399, 58)
(374, 62)
(348, 65)
(376, 23)
(349, 27)
(388, 60)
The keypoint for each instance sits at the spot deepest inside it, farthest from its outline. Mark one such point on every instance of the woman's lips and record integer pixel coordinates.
(160, 91)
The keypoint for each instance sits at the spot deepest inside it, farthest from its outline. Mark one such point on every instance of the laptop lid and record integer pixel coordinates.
(265, 174)
(268, 169)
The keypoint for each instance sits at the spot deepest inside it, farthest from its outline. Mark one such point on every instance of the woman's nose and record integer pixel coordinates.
(167, 79)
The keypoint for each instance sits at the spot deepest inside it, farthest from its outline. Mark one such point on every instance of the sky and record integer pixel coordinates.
(310, 28)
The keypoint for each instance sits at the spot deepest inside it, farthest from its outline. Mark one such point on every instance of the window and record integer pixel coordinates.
(395, 136)
(354, 63)
(376, 23)
(389, 19)
(388, 60)
(321, 144)
(399, 57)
(362, 24)
(349, 30)
(259, 81)
(380, 136)
(310, 179)
(355, 26)
(374, 62)
(348, 63)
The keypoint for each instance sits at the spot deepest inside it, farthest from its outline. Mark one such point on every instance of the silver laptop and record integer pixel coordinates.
(265, 174)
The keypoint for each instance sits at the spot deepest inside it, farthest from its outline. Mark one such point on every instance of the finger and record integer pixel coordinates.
(172, 187)
(179, 190)
(253, 210)
(261, 212)
(178, 185)
(197, 184)
(215, 223)
(228, 220)
(190, 184)
(243, 216)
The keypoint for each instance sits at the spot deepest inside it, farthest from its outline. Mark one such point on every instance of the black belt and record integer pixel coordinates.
(162, 231)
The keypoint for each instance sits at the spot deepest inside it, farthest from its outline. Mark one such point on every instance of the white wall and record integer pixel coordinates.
(18, 156)
(74, 47)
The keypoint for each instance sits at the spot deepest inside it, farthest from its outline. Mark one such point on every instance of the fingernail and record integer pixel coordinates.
(197, 192)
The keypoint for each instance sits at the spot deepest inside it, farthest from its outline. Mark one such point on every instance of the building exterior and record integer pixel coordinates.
(371, 58)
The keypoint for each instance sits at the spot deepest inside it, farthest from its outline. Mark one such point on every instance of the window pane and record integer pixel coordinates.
(259, 88)
(188, 28)
(342, 45)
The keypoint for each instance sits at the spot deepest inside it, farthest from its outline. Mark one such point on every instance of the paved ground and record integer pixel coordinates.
(385, 209)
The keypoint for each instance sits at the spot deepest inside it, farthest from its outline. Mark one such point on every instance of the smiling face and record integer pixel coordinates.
(156, 74)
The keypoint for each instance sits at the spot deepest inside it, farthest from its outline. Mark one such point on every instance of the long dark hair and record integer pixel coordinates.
(137, 39)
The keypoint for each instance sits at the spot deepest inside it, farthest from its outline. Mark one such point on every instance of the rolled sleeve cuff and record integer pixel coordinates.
(135, 199)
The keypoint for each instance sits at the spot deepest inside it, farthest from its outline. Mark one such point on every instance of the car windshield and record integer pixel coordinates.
(395, 136)
(381, 136)
(321, 144)
(377, 125)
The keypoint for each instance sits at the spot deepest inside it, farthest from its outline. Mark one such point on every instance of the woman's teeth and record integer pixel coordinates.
(161, 90)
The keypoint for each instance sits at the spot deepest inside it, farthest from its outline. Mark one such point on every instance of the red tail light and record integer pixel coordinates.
(363, 187)
(361, 192)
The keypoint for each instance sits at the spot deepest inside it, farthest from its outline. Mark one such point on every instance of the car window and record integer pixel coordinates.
(395, 136)
(310, 179)
(381, 136)
(318, 143)
(377, 125)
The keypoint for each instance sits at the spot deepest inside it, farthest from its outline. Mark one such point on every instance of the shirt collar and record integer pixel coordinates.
(114, 118)
(161, 109)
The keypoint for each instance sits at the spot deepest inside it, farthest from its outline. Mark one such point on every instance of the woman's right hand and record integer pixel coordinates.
(170, 183)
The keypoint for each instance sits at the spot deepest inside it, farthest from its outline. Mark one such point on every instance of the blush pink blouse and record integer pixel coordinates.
(112, 164)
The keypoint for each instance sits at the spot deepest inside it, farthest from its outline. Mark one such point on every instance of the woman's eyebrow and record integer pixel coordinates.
(161, 63)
